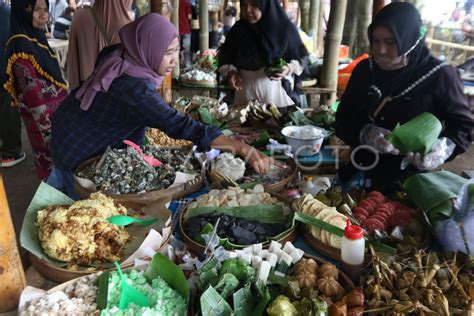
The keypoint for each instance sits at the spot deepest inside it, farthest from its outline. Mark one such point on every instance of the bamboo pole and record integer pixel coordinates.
(12, 276)
(204, 26)
(319, 47)
(236, 4)
(175, 21)
(313, 20)
(331, 47)
(377, 6)
(304, 7)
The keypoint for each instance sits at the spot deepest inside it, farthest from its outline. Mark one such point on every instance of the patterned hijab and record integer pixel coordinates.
(143, 45)
(27, 42)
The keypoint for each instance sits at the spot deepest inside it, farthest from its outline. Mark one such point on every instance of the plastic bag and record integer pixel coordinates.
(457, 233)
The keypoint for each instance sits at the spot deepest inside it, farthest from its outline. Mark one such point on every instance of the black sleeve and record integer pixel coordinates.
(454, 110)
(353, 110)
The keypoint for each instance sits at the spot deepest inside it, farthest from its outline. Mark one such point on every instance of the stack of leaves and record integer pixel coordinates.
(231, 288)
(275, 67)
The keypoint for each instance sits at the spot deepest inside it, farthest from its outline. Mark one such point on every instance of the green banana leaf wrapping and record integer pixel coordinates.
(417, 135)
(275, 67)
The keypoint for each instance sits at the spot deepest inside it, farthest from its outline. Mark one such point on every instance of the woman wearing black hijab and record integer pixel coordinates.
(34, 78)
(263, 35)
(398, 82)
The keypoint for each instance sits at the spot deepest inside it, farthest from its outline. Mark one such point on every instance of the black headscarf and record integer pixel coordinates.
(273, 36)
(403, 20)
(28, 42)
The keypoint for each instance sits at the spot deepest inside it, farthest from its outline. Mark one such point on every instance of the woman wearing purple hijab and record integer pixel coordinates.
(119, 100)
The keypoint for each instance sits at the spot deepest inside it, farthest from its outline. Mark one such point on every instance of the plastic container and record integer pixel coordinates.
(353, 251)
(305, 140)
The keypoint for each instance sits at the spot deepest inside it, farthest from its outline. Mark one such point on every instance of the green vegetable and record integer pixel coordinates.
(417, 135)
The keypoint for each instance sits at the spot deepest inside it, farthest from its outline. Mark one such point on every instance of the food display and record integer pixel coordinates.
(421, 283)
(80, 233)
(229, 166)
(199, 77)
(124, 171)
(243, 217)
(329, 214)
(160, 139)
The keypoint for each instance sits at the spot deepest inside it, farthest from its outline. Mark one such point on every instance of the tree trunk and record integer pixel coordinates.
(331, 47)
(304, 14)
(203, 26)
(364, 17)
(349, 33)
(313, 26)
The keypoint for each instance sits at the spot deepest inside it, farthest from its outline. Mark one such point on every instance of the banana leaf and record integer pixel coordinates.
(240, 269)
(417, 135)
(434, 192)
(206, 278)
(227, 284)
(212, 304)
(45, 196)
(243, 302)
(262, 140)
(263, 298)
(378, 246)
(269, 214)
(275, 67)
(102, 284)
(207, 118)
(161, 266)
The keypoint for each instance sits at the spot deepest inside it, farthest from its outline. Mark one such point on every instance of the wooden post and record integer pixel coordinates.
(430, 34)
(164, 8)
(286, 5)
(331, 47)
(313, 21)
(175, 21)
(12, 276)
(304, 7)
(236, 4)
(204, 26)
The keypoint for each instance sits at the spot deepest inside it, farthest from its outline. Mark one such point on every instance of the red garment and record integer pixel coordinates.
(38, 99)
(184, 13)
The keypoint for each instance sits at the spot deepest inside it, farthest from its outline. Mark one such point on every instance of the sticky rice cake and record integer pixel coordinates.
(80, 233)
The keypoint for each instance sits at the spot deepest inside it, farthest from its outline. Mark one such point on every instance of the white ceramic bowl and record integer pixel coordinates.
(305, 140)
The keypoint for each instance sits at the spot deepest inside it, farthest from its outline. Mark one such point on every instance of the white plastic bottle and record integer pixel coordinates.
(353, 251)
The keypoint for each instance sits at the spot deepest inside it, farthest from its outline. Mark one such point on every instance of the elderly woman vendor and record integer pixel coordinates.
(400, 81)
(119, 100)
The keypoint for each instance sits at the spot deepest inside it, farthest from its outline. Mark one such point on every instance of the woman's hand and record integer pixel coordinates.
(234, 80)
(376, 137)
(441, 151)
(281, 75)
(255, 158)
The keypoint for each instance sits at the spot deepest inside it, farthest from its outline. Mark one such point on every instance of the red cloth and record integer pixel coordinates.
(184, 13)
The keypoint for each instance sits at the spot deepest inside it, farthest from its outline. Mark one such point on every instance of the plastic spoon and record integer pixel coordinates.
(130, 294)
(148, 159)
(122, 220)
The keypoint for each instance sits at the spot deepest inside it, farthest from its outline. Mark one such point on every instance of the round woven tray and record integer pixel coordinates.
(141, 199)
(200, 83)
(198, 248)
(61, 275)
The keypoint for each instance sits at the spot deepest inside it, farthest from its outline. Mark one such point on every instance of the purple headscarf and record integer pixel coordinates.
(144, 44)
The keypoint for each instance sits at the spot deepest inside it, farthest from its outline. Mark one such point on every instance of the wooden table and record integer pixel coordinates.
(60, 47)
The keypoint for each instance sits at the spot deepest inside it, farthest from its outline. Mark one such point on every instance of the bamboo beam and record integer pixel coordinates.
(331, 47)
(204, 26)
(449, 44)
(12, 276)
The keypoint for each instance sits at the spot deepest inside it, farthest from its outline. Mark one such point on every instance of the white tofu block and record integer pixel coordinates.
(245, 257)
(279, 253)
(256, 261)
(286, 258)
(288, 247)
(297, 254)
(264, 253)
(263, 271)
(248, 249)
(257, 248)
(232, 254)
(274, 245)
(272, 258)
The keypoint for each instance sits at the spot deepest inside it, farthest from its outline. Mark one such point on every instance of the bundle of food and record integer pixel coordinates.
(276, 67)
(315, 289)
(243, 217)
(160, 139)
(377, 212)
(208, 60)
(80, 233)
(124, 171)
(420, 283)
(309, 205)
(199, 77)
(231, 171)
(161, 283)
(257, 110)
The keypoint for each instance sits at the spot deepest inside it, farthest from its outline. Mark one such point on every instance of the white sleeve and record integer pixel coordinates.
(295, 67)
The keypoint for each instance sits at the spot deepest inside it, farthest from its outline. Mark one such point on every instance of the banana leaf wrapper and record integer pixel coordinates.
(275, 67)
